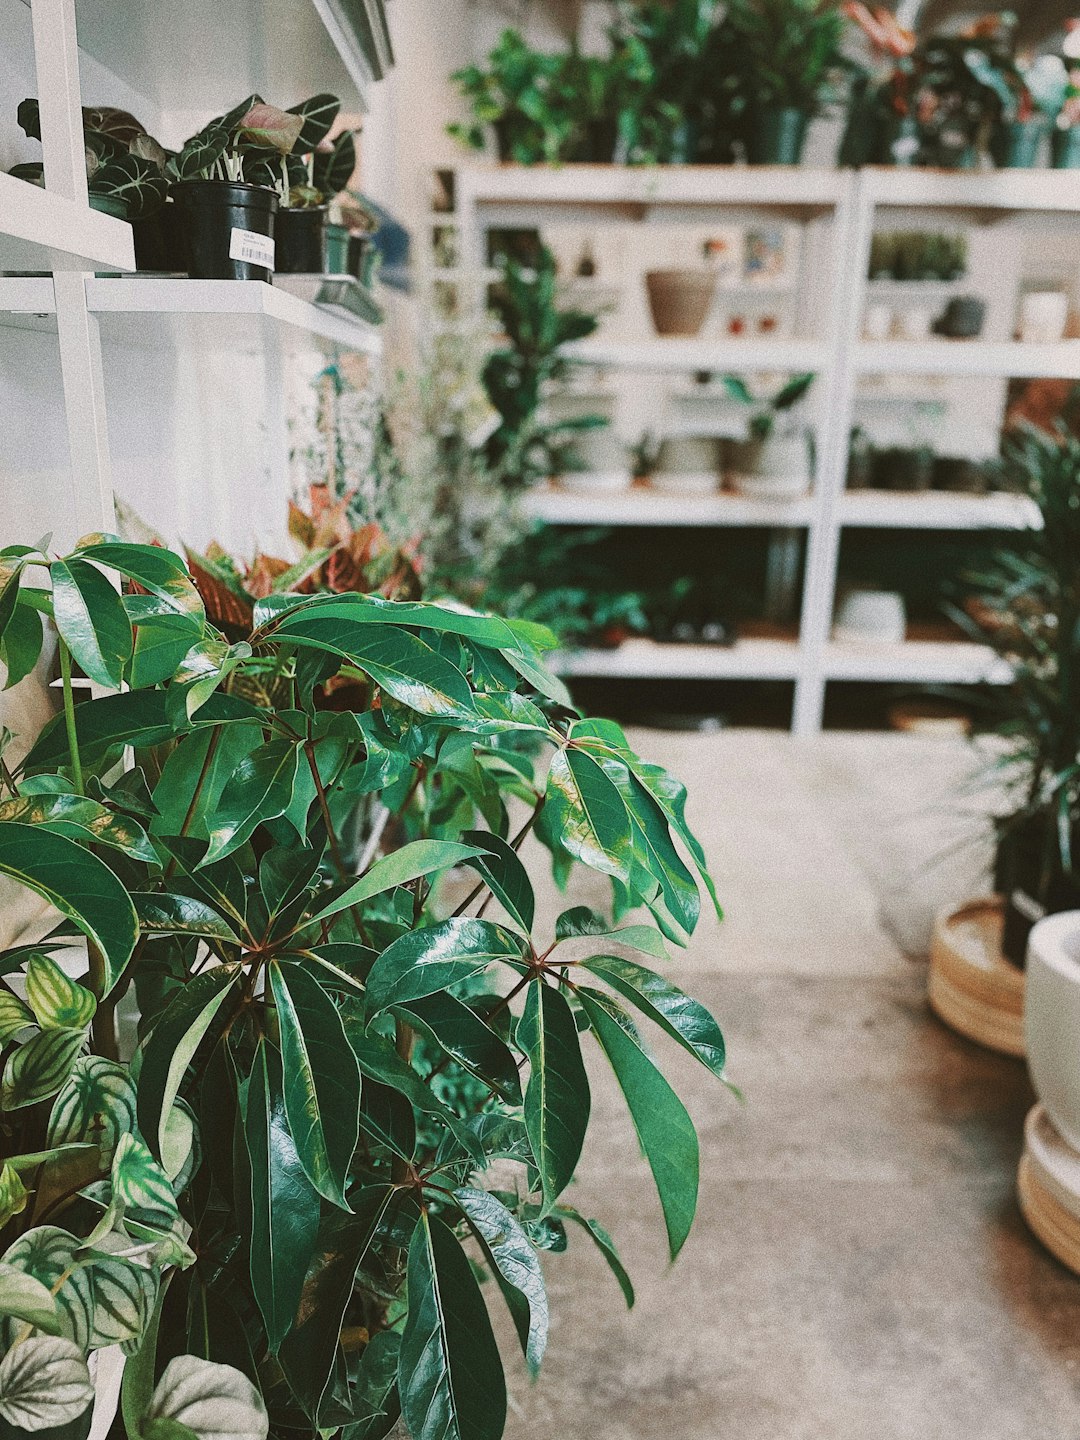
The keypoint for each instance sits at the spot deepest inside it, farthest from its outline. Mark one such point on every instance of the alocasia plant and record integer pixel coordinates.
(279, 1203)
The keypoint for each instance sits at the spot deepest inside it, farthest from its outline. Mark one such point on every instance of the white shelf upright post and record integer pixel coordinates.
(56, 59)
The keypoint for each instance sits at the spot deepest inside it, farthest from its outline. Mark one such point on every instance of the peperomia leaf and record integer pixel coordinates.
(51, 1256)
(450, 1376)
(36, 1070)
(212, 1402)
(44, 1383)
(665, 1130)
(557, 1099)
(14, 1016)
(97, 1103)
(23, 1297)
(13, 1196)
(78, 884)
(57, 1001)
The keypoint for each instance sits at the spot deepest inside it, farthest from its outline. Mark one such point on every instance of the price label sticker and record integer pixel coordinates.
(251, 247)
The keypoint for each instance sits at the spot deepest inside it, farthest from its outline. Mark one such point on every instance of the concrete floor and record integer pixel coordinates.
(858, 1269)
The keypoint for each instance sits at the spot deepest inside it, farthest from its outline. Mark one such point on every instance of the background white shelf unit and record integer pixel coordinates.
(642, 505)
(839, 212)
(41, 230)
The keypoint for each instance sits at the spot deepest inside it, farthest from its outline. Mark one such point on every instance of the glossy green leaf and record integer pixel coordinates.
(163, 914)
(97, 1103)
(318, 114)
(450, 1377)
(665, 1130)
(57, 1001)
(23, 1297)
(10, 578)
(588, 813)
(557, 1098)
(35, 1071)
(81, 819)
(125, 1292)
(369, 610)
(605, 1245)
(501, 869)
(91, 619)
(684, 1019)
(464, 1036)
(425, 961)
(161, 642)
(411, 862)
(14, 1016)
(322, 1079)
(375, 1403)
(196, 773)
(102, 728)
(516, 1266)
(20, 647)
(581, 921)
(213, 1402)
(44, 1383)
(153, 567)
(259, 789)
(13, 1195)
(170, 1047)
(78, 884)
(139, 1182)
(284, 1205)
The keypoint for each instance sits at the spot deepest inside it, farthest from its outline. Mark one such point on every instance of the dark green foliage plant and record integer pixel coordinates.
(789, 51)
(123, 161)
(280, 1203)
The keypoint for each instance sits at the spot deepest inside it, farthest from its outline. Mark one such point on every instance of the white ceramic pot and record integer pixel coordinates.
(1043, 317)
(600, 464)
(913, 322)
(774, 469)
(871, 617)
(877, 322)
(1052, 1019)
(687, 465)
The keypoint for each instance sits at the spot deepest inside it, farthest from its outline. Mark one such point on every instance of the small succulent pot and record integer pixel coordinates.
(337, 249)
(903, 469)
(301, 240)
(1065, 148)
(963, 319)
(227, 229)
(680, 300)
(777, 135)
(959, 475)
(1016, 144)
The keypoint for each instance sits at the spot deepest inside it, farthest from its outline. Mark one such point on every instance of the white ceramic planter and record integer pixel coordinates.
(774, 469)
(687, 465)
(1052, 1019)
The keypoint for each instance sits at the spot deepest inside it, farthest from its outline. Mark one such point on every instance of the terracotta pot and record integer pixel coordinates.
(1052, 1019)
(680, 300)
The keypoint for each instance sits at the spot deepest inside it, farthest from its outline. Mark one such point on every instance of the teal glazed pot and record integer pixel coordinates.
(1016, 144)
(1065, 148)
(778, 135)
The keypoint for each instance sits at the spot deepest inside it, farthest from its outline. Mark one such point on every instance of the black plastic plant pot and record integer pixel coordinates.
(1065, 148)
(906, 470)
(227, 229)
(159, 240)
(337, 250)
(777, 135)
(961, 476)
(300, 237)
(1030, 878)
(109, 205)
(1015, 144)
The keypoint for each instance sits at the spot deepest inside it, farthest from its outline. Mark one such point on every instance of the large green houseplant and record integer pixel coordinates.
(277, 1204)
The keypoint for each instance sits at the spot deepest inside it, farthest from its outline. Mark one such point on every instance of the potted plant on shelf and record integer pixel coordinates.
(226, 182)
(775, 462)
(1031, 95)
(316, 172)
(280, 1203)
(790, 50)
(124, 163)
(1065, 135)
(518, 97)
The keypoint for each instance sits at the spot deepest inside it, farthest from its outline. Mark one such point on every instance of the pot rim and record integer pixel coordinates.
(1055, 940)
(199, 181)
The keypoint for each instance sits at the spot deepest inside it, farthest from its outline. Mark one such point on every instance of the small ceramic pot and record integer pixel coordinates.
(777, 135)
(871, 617)
(1052, 1019)
(1065, 148)
(1016, 144)
(963, 319)
(1043, 316)
(959, 475)
(774, 469)
(680, 300)
(897, 468)
(687, 465)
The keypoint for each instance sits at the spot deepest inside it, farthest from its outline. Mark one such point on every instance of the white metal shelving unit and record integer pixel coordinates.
(106, 333)
(839, 211)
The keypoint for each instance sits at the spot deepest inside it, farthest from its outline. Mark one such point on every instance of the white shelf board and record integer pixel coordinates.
(642, 659)
(937, 510)
(40, 230)
(674, 353)
(642, 505)
(285, 50)
(1004, 190)
(766, 186)
(216, 308)
(942, 662)
(1008, 359)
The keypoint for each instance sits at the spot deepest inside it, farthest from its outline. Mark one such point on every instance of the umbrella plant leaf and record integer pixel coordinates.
(411, 862)
(684, 1019)
(557, 1097)
(605, 1245)
(516, 1266)
(91, 619)
(259, 789)
(463, 1035)
(501, 869)
(423, 961)
(80, 818)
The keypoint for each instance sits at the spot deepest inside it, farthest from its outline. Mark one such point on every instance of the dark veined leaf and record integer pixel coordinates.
(97, 1103)
(78, 884)
(284, 1205)
(22, 1297)
(308, 1352)
(684, 1019)
(81, 819)
(13, 1194)
(334, 168)
(35, 1071)
(212, 1402)
(502, 871)
(14, 1016)
(125, 1292)
(57, 1001)
(462, 1034)
(588, 814)
(51, 1256)
(259, 789)
(516, 1266)
(666, 1132)
(605, 1245)
(411, 862)
(91, 619)
(557, 1098)
(450, 1377)
(424, 961)
(318, 114)
(169, 1048)
(322, 1079)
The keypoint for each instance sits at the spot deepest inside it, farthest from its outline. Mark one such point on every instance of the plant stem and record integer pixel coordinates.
(69, 717)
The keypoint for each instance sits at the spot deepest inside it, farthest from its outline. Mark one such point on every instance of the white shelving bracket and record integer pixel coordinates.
(56, 60)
